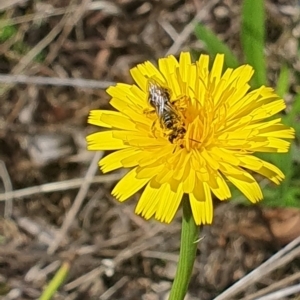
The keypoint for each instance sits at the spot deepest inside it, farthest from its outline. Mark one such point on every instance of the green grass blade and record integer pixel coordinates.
(290, 118)
(283, 81)
(56, 282)
(253, 38)
(215, 45)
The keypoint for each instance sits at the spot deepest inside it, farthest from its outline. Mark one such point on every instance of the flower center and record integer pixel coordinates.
(182, 125)
(183, 121)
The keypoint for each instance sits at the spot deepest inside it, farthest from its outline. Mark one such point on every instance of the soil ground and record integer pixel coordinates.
(113, 253)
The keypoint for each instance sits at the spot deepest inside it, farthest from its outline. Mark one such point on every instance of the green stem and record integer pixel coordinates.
(187, 255)
(56, 282)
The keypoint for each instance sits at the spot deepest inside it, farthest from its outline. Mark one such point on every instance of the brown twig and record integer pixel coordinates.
(58, 186)
(189, 28)
(86, 182)
(279, 259)
(8, 190)
(70, 21)
(26, 60)
(56, 81)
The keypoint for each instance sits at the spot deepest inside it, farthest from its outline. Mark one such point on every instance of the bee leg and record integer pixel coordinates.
(171, 138)
(180, 103)
(148, 111)
(153, 127)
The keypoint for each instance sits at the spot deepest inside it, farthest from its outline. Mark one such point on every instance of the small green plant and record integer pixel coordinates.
(7, 32)
(22, 48)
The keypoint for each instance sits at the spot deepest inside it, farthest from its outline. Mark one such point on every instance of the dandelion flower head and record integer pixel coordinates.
(203, 137)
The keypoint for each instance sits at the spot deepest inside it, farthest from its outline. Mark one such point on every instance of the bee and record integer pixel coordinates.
(158, 97)
(170, 119)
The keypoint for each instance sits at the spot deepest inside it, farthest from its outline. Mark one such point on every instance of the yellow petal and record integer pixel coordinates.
(138, 139)
(247, 185)
(167, 66)
(183, 159)
(221, 154)
(138, 97)
(220, 189)
(149, 171)
(128, 186)
(148, 202)
(189, 179)
(202, 65)
(262, 167)
(271, 172)
(108, 118)
(242, 74)
(217, 68)
(150, 71)
(164, 176)
(104, 141)
(169, 203)
(143, 72)
(201, 204)
(115, 160)
(119, 91)
(184, 63)
(277, 131)
(275, 145)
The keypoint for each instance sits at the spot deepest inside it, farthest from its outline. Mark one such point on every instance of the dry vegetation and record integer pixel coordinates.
(114, 254)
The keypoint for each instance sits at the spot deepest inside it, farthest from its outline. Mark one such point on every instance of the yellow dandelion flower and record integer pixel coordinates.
(184, 128)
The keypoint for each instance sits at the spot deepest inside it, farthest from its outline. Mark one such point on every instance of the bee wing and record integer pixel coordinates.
(161, 107)
(169, 107)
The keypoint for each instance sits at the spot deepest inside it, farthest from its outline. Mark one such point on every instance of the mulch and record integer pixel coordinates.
(113, 253)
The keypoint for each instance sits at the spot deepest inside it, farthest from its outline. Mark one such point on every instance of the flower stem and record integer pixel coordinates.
(187, 255)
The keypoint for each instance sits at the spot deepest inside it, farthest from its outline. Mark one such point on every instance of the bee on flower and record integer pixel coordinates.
(203, 131)
(169, 118)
